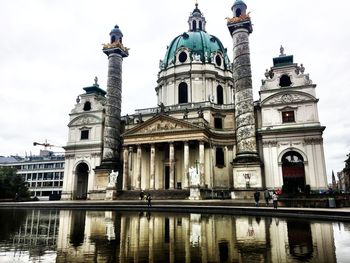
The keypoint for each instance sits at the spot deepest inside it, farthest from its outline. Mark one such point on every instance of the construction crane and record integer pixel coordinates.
(46, 145)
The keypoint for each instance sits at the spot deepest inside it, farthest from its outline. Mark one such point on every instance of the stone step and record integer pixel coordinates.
(155, 194)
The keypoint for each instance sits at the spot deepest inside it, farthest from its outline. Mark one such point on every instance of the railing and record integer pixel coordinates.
(182, 107)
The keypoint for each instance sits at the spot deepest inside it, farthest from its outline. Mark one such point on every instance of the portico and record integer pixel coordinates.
(158, 154)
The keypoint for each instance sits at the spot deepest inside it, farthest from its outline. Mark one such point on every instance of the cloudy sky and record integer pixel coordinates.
(51, 49)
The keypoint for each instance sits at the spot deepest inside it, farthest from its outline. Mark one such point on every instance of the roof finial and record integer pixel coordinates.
(96, 81)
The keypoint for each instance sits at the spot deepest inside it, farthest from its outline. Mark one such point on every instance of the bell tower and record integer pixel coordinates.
(247, 164)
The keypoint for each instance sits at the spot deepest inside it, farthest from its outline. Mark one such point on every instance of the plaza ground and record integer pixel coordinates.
(230, 207)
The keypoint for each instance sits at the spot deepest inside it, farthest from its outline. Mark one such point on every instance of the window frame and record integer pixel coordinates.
(286, 118)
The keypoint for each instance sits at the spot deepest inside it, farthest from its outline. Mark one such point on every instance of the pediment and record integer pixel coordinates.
(162, 124)
(86, 119)
(288, 98)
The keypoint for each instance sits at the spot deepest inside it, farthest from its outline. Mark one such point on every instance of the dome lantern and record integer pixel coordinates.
(196, 21)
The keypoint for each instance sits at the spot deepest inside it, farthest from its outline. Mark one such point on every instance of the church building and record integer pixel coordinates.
(207, 133)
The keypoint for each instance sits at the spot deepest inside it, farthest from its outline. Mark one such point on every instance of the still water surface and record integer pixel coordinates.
(105, 236)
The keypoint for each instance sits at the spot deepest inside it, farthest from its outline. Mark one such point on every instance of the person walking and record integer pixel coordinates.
(149, 199)
(142, 195)
(274, 200)
(267, 196)
(257, 198)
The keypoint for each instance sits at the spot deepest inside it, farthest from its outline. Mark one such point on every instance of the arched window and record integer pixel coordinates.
(220, 95)
(238, 12)
(200, 25)
(220, 159)
(285, 81)
(112, 39)
(183, 94)
(194, 25)
(218, 60)
(87, 106)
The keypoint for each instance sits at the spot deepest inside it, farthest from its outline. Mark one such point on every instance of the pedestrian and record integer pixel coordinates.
(267, 196)
(257, 198)
(142, 195)
(274, 200)
(149, 199)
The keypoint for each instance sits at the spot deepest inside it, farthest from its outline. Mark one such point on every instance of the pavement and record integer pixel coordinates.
(228, 206)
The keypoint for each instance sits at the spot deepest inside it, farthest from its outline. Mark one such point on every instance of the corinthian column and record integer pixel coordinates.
(152, 167)
(139, 167)
(125, 169)
(186, 161)
(172, 165)
(201, 162)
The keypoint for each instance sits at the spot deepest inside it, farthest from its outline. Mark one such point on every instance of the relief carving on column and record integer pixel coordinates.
(248, 120)
(240, 38)
(247, 145)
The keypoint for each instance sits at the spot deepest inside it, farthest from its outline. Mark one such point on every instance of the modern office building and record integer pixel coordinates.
(43, 174)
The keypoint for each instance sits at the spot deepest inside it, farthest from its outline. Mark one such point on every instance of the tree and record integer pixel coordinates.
(12, 183)
(347, 164)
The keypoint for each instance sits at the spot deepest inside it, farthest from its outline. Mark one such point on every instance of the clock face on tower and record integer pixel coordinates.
(287, 98)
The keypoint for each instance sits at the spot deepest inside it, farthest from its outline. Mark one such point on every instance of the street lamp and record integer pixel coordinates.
(247, 179)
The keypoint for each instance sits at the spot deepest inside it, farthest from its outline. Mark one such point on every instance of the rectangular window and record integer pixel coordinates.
(218, 123)
(220, 158)
(84, 135)
(288, 116)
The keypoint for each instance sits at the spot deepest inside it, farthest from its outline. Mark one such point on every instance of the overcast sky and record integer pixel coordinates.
(51, 49)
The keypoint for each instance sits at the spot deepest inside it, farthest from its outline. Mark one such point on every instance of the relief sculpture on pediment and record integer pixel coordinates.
(161, 126)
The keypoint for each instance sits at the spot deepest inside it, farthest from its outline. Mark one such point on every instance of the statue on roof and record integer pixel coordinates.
(282, 51)
(162, 107)
(96, 81)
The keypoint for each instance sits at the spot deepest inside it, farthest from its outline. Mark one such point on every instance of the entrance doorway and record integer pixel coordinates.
(82, 173)
(293, 172)
(167, 177)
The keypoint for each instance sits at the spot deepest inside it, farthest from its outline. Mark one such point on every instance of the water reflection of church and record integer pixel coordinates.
(105, 236)
(205, 118)
(158, 237)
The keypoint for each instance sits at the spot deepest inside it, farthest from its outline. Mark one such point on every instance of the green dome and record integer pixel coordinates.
(198, 43)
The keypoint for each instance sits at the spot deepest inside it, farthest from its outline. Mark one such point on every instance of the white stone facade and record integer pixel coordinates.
(84, 145)
(206, 118)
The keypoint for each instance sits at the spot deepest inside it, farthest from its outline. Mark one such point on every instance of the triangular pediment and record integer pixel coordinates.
(162, 124)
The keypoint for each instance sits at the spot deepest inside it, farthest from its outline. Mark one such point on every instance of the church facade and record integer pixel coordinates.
(206, 121)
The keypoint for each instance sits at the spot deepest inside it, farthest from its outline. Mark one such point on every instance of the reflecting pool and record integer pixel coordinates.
(114, 236)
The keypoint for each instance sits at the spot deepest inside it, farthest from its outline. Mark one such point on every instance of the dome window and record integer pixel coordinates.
(220, 95)
(238, 12)
(200, 25)
(87, 106)
(183, 57)
(285, 81)
(112, 39)
(183, 93)
(218, 60)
